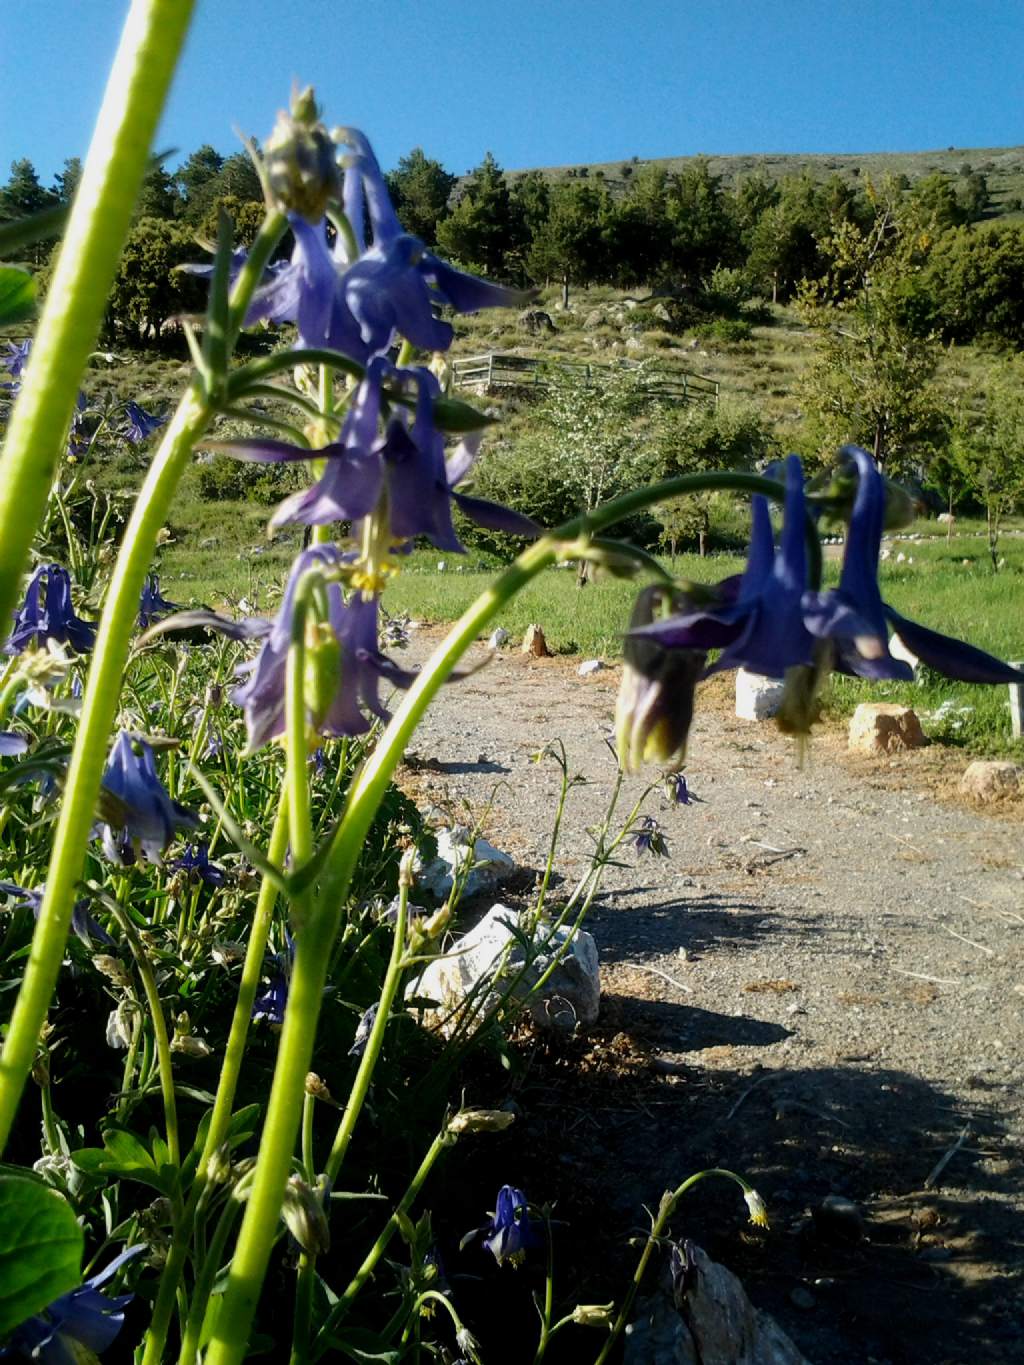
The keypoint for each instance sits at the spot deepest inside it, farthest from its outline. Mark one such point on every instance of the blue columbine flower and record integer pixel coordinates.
(352, 630)
(12, 744)
(677, 789)
(272, 999)
(141, 424)
(151, 604)
(510, 1234)
(82, 923)
(14, 362)
(648, 838)
(83, 1318)
(857, 621)
(139, 813)
(49, 616)
(195, 863)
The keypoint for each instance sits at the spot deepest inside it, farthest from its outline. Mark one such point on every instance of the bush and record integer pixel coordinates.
(729, 331)
(227, 480)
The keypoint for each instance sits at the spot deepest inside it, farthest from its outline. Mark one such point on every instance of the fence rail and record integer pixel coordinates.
(495, 371)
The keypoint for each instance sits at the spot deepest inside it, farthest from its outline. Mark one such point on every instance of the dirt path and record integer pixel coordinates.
(821, 986)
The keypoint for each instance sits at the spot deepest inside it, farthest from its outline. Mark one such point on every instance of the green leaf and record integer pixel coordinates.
(123, 1155)
(17, 295)
(453, 415)
(40, 1249)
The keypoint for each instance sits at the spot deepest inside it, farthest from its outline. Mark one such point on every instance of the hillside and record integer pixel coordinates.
(1003, 168)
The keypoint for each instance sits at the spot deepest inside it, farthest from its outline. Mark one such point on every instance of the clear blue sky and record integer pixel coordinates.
(543, 82)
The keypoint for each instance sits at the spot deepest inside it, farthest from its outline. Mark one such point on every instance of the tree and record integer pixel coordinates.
(484, 229)
(22, 196)
(987, 449)
(147, 289)
(66, 182)
(569, 246)
(704, 229)
(158, 194)
(420, 188)
(639, 232)
(873, 380)
(197, 182)
(976, 281)
(246, 220)
(936, 196)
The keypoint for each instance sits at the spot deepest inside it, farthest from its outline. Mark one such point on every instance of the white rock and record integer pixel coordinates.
(489, 864)
(442, 564)
(491, 953)
(901, 558)
(757, 697)
(883, 727)
(498, 638)
(589, 666)
(534, 642)
(946, 518)
(989, 780)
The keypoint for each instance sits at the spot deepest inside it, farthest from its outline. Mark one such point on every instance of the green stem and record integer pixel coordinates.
(163, 1042)
(200, 1296)
(77, 297)
(666, 1209)
(220, 1118)
(99, 707)
(378, 1249)
(375, 1042)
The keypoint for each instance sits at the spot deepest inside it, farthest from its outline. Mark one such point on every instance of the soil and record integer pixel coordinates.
(819, 988)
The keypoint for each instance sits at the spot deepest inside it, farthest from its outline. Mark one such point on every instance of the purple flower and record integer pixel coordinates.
(141, 424)
(12, 744)
(648, 837)
(82, 1318)
(270, 1004)
(195, 863)
(677, 790)
(363, 1030)
(510, 1233)
(14, 362)
(139, 813)
(82, 923)
(856, 619)
(151, 604)
(349, 634)
(49, 616)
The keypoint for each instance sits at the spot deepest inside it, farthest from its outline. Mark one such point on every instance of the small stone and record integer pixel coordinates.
(757, 697)
(589, 666)
(880, 727)
(988, 780)
(802, 1298)
(534, 643)
(838, 1220)
(498, 638)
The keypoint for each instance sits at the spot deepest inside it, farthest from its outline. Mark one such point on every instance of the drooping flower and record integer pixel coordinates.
(195, 864)
(50, 615)
(346, 673)
(14, 362)
(272, 999)
(141, 424)
(151, 604)
(648, 838)
(510, 1234)
(12, 744)
(677, 789)
(138, 812)
(363, 1030)
(82, 923)
(82, 1318)
(856, 620)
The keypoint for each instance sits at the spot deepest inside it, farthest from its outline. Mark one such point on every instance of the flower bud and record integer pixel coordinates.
(322, 676)
(481, 1121)
(300, 161)
(655, 703)
(594, 1314)
(304, 1217)
(113, 969)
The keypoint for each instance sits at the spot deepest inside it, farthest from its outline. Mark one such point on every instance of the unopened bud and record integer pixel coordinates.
(481, 1121)
(405, 868)
(113, 969)
(304, 1217)
(300, 161)
(594, 1314)
(317, 1088)
(654, 708)
(218, 1168)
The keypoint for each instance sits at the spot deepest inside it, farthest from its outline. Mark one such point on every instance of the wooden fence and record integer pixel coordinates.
(487, 373)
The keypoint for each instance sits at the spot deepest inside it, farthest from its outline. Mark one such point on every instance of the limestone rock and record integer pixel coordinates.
(489, 864)
(492, 953)
(881, 727)
(498, 638)
(589, 666)
(535, 320)
(534, 643)
(593, 319)
(757, 697)
(989, 780)
(715, 1324)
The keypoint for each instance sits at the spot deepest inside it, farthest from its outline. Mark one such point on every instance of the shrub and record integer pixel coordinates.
(227, 480)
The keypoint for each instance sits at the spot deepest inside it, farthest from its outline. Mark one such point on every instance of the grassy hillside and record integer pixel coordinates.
(1003, 168)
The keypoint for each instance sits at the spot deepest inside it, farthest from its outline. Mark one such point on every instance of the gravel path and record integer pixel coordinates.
(825, 981)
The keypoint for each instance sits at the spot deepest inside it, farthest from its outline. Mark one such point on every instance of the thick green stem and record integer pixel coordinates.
(100, 705)
(220, 1118)
(118, 155)
(200, 1296)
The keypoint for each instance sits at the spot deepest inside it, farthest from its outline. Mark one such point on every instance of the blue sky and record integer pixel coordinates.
(543, 83)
